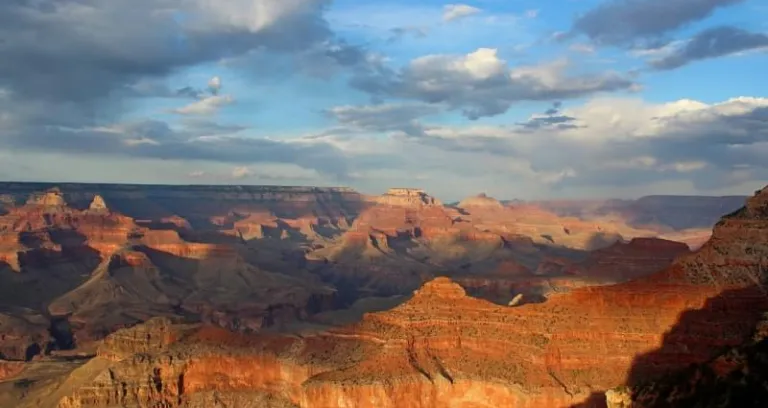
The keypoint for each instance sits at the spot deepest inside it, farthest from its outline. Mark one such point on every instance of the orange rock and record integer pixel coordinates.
(9, 369)
(442, 348)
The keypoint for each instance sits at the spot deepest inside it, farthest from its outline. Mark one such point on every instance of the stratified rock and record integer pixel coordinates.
(737, 377)
(626, 261)
(51, 198)
(9, 369)
(442, 348)
(408, 197)
(98, 204)
(153, 336)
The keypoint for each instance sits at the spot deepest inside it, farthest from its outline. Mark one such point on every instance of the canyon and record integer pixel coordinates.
(118, 295)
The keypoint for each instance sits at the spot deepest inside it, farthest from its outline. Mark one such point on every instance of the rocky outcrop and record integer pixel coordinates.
(9, 369)
(153, 336)
(98, 204)
(407, 197)
(51, 198)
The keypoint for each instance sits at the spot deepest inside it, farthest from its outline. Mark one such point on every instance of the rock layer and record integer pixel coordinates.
(443, 348)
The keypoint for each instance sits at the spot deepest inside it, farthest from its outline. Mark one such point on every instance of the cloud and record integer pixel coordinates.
(627, 22)
(384, 117)
(152, 139)
(93, 48)
(617, 143)
(582, 48)
(712, 43)
(206, 106)
(482, 84)
(270, 172)
(241, 172)
(214, 85)
(551, 119)
(615, 146)
(399, 33)
(453, 12)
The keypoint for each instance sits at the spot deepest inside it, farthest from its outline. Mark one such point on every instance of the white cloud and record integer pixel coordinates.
(141, 141)
(251, 15)
(658, 52)
(532, 13)
(619, 142)
(582, 48)
(482, 84)
(214, 85)
(206, 106)
(241, 172)
(453, 12)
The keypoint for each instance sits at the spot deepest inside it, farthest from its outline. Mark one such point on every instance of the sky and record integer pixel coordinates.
(513, 98)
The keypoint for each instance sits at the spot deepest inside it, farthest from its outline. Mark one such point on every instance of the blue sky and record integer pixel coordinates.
(528, 99)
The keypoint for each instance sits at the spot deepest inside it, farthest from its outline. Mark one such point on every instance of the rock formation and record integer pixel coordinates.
(51, 198)
(239, 265)
(443, 348)
(23, 334)
(9, 369)
(626, 261)
(98, 204)
(407, 197)
(481, 200)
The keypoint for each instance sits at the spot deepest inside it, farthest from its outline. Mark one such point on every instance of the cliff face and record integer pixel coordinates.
(735, 377)
(443, 348)
(626, 261)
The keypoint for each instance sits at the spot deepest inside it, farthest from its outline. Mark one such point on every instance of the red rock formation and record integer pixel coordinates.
(154, 336)
(9, 369)
(407, 197)
(442, 348)
(56, 227)
(626, 261)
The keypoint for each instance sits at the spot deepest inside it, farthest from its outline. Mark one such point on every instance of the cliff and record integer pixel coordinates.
(443, 348)
(627, 261)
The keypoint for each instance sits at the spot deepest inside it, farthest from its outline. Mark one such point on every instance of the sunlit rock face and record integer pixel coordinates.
(408, 197)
